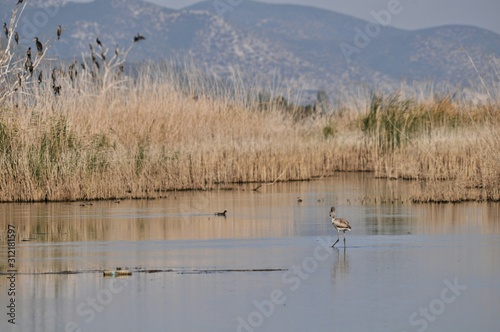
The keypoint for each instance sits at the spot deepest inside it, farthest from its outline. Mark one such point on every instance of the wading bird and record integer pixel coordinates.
(340, 224)
(221, 214)
(39, 46)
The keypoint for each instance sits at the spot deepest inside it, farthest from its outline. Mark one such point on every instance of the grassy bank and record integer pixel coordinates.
(138, 137)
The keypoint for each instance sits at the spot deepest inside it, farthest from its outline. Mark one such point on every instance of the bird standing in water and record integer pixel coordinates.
(340, 224)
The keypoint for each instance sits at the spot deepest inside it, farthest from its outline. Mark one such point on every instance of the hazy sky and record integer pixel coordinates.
(416, 13)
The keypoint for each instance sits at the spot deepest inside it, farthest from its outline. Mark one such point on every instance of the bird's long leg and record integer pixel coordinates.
(338, 238)
(344, 239)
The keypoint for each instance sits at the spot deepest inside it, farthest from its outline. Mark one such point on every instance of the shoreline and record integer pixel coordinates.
(231, 187)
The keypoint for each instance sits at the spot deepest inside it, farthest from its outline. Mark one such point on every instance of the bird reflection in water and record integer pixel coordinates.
(340, 266)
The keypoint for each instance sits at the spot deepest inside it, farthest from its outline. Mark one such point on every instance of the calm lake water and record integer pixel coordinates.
(267, 266)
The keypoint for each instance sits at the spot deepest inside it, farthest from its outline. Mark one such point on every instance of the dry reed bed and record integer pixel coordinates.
(108, 135)
(136, 138)
(453, 157)
(138, 141)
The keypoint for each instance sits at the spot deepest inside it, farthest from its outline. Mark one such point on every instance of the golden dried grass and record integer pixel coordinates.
(145, 136)
(136, 137)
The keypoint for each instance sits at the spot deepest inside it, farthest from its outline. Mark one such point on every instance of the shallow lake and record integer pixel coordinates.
(266, 266)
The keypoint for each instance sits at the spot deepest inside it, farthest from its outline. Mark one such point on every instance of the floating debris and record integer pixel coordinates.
(118, 272)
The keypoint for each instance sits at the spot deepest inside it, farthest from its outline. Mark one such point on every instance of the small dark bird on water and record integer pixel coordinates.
(16, 37)
(39, 46)
(59, 32)
(5, 29)
(299, 200)
(139, 37)
(221, 214)
(342, 225)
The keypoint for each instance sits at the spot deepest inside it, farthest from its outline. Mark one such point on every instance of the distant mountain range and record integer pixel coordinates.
(305, 47)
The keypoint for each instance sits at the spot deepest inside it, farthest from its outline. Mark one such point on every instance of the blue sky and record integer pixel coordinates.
(416, 14)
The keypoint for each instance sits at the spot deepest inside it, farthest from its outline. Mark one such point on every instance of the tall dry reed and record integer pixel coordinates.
(149, 134)
(136, 136)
